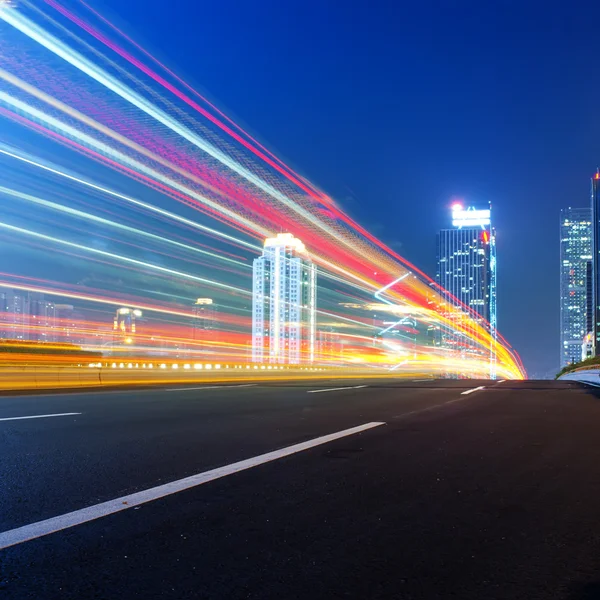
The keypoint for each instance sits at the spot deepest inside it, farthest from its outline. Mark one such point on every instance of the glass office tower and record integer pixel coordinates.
(575, 261)
(467, 272)
(595, 193)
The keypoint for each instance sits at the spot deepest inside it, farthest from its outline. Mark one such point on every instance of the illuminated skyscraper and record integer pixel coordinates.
(467, 271)
(575, 256)
(283, 303)
(595, 193)
(124, 324)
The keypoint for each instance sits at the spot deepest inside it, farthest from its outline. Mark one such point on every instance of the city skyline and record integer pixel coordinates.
(299, 300)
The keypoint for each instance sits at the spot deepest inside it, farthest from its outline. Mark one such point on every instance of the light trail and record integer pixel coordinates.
(150, 126)
(105, 150)
(126, 259)
(57, 47)
(49, 167)
(14, 153)
(95, 219)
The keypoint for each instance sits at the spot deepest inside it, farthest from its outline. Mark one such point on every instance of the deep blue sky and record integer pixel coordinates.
(395, 107)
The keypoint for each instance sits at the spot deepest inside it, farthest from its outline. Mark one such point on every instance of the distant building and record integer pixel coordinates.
(205, 318)
(284, 303)
(329, 346)
(575, 287)
(466, 256)
(124, 324)
(14, 314)
(42, 318)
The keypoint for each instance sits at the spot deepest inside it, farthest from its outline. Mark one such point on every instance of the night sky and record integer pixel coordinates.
(394, 108)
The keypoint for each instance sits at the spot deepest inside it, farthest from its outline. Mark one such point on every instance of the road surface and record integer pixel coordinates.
(397, 489)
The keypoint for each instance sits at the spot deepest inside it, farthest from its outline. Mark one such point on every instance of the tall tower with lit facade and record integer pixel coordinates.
(467, 273)
(595, 193)
(124, 327)
(283, 303)
(575, 259)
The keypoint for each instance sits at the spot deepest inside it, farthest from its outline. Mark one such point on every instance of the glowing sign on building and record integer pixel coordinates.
(470, 217)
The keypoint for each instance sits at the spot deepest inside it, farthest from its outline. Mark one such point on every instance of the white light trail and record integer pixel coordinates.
(96, 219)
(109, 152)
(125, 259)
(51, 168)
(38, 34)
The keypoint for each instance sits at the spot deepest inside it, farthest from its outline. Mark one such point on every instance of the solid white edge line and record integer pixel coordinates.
(91, 513)
(351, 387)
(38, 416)
(481, 387)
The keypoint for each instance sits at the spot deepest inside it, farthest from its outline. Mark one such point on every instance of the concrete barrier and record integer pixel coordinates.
(589, 376)
(47, 377)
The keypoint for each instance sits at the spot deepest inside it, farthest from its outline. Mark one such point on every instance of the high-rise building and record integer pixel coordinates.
(595, 193)
(42, 318)
(467, 272)
(283, 303)
(575, 257)
(14, 314)
(205, 318)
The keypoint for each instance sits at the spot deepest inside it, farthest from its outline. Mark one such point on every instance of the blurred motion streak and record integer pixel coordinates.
(128, 197)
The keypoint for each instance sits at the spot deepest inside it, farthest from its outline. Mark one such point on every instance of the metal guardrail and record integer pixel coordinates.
(590, 376)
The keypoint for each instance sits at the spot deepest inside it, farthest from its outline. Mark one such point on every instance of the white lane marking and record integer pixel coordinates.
(423, 410)
(38, 416)
(351, 387)
(415, 380)
(208, 387)
(91, 513)
(501, 381)
(481, 387)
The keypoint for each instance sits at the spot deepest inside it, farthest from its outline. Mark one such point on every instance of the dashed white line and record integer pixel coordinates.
(501, 381)
(481, 387)
(351, 387)
(91, 513)
(39, 416)
(427, 409)
(209, 387)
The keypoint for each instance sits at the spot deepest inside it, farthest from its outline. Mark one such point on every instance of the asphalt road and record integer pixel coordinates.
(426, 492)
